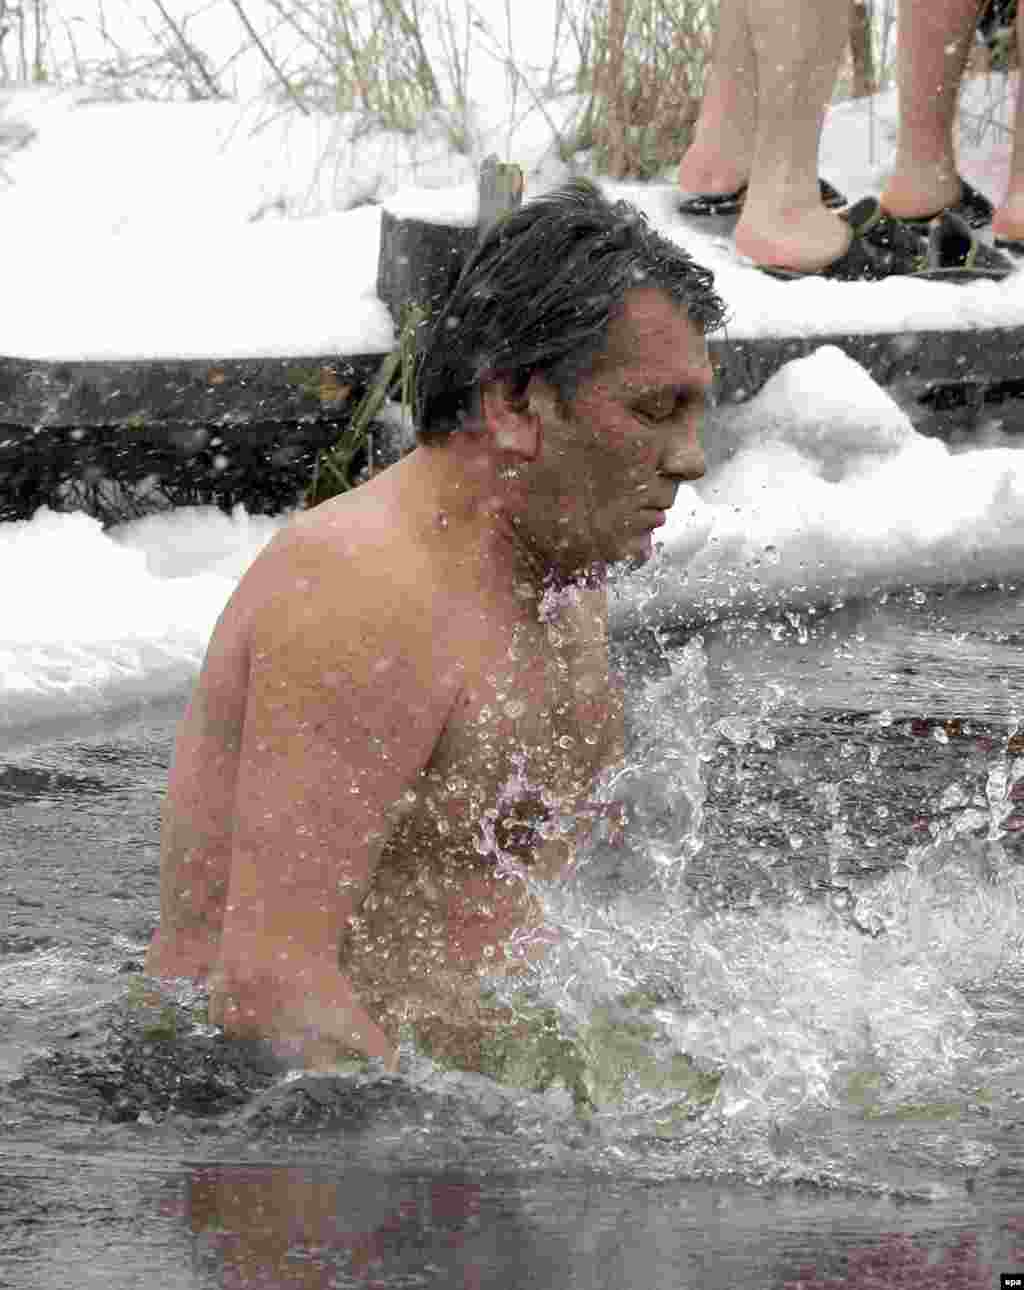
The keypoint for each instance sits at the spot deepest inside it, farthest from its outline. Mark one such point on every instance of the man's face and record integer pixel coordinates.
(610, 465)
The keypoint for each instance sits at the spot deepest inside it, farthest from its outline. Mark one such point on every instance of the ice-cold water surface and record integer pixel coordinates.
(780, 1030)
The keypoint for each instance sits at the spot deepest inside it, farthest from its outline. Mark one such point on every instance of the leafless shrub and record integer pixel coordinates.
(643, 62)
(40, 45)
(24, 30)
(393, 61)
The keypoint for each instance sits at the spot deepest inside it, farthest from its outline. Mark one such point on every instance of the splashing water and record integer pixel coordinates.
(683, 1002)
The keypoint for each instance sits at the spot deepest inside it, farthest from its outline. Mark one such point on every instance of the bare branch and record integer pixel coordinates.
(190, 53)
(287, 15)
(269, 58)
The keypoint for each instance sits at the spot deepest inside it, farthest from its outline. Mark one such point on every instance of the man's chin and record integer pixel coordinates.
(587, 576)
(630, 563)
(595, 570)
(637, 552)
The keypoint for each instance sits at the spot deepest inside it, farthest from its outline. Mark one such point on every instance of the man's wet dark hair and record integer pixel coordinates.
(538, 296)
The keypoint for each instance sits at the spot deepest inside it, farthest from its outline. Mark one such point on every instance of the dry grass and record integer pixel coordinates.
(645, 63)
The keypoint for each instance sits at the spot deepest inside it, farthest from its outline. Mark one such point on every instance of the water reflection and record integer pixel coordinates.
(289, 1227)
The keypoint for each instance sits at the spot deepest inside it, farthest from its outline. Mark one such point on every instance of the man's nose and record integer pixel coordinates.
(685, 457)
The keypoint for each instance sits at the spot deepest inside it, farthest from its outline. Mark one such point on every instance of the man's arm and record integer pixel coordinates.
(344, 711)
(198, 810)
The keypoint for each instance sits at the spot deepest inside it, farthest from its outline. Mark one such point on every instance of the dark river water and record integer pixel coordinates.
(795, 994)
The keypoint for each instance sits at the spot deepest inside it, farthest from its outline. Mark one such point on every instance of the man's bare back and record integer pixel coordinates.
(406, 705)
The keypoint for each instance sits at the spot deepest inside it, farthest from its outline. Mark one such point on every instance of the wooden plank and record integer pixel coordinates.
(419, 263)
(940, 378)
(73, 434)
(120, 439)
(210, 392)
(952, 384)
(114, 472)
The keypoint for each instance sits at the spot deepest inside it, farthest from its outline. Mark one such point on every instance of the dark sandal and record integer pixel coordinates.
(884, 247)
(705, 205)
(881, 247)
(956, 255)
(973, 207)
(1014, 245)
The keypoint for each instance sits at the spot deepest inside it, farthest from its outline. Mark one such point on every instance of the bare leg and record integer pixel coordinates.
(934, 40)
(1008, 220)
(797, 46)
(718, 159)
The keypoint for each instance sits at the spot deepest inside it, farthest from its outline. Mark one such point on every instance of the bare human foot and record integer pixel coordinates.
(922, 191)
(718, 160)
(1008, 220)
(702, 171)
(808, 238)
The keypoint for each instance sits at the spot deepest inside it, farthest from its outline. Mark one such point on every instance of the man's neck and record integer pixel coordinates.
(461, 500)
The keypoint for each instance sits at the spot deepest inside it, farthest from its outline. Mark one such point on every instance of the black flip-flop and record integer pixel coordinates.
(973, 207)
(1014, 245)
(880, 247)
(956, 255)
(706, 205)
(884, 247)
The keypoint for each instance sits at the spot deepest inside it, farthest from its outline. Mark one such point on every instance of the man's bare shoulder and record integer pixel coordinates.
(347, 587)
(335, 553)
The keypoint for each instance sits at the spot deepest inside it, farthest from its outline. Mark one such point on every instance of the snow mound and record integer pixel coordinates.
(828, 409)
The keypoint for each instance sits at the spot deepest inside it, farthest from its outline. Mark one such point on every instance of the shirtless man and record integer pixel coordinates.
(407, 701)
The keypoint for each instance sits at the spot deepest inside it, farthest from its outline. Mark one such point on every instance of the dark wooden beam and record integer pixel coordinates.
(950, 383)
(420, 262)
(152, 392)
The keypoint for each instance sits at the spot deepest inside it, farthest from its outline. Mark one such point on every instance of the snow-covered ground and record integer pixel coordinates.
(184, 230)
(219, 229)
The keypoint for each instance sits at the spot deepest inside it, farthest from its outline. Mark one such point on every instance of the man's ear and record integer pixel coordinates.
(513, 425)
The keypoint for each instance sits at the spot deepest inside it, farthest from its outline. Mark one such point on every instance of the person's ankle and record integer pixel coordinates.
(701, 171)
(1008, 220)
(807, 245)
(918, 195)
